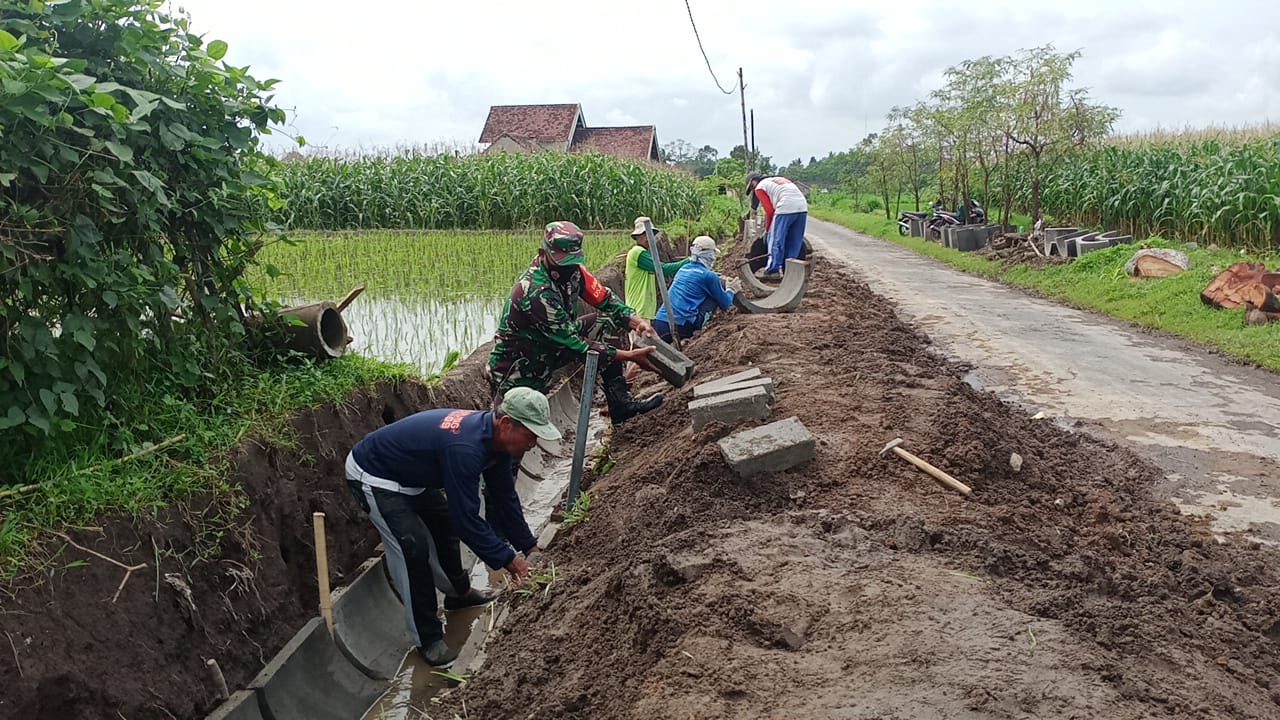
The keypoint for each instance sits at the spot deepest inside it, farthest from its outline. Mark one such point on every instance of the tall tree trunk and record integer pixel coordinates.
(1035, 186)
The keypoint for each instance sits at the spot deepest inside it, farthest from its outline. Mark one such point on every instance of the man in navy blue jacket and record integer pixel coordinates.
(695, 293)
(419, 480)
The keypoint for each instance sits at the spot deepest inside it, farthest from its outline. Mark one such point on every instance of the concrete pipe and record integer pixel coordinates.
(322, 334)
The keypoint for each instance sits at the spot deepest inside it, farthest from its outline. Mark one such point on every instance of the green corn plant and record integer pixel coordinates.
(416, 190)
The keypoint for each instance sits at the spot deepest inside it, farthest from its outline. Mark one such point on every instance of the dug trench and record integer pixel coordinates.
(228, 576)
(854, 586)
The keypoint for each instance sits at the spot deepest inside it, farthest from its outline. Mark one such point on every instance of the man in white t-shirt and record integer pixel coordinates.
(785, 214)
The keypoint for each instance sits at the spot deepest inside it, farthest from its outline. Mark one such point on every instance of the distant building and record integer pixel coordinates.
(562, 128)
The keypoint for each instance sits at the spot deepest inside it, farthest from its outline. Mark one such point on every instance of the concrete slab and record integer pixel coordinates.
(769, 448)
(311, 680)
(751, 403)
(731, 379)
(368, 623)
(241, 706)
(674, 366)
(708, 390)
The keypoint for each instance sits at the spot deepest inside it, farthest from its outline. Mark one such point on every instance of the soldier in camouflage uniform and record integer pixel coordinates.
(540, 330)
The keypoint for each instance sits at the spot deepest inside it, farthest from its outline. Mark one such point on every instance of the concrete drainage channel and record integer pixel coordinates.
(366, 670)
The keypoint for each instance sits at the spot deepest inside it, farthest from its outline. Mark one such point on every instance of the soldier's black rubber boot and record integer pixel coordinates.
(622, 406)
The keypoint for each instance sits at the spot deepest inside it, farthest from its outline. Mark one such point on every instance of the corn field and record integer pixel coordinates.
(1206, 191)
(497, 191)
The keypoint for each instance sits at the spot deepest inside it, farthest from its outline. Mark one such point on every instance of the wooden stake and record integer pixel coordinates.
(322, 570)
(220, 689)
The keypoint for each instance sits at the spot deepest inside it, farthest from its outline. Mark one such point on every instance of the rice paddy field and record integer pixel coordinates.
(428, 294)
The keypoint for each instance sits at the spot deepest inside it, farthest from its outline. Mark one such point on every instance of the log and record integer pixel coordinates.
(1152, 266)
(1157, 262)
(1243, 282)
(322, 332)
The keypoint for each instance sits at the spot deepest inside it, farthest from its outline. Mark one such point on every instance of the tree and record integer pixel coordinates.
(678, 152)
(1045, 116)
(131, 190)
(762, 164)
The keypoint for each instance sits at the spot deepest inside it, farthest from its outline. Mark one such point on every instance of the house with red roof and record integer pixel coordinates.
(562, 128)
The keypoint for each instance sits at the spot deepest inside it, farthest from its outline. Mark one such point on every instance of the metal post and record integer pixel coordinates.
(748, 161)
(662, 282)
(584, 419)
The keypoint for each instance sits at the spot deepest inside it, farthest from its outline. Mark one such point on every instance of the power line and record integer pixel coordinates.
(704, 52)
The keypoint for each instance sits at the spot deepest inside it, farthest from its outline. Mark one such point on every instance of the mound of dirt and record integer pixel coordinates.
(854, 586)
(223, 580)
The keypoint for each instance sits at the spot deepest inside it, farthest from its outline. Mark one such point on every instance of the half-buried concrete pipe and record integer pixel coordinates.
(788, 296)
(751, 284)
(363, 623)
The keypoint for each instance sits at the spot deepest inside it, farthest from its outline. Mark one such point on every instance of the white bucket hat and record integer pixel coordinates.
(704, 242)
(639, 229)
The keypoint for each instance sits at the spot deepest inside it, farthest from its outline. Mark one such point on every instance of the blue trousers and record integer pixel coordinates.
(686, 330)
(786, 237)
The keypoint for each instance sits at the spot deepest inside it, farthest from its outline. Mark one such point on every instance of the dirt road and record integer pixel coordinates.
(1211, 425)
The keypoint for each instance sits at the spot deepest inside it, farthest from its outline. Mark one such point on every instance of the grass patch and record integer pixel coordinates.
(1098, 282)
(75, 485)
(580, 511)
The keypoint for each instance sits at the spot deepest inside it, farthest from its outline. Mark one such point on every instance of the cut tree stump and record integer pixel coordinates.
(1244, 283)
(1157, 262)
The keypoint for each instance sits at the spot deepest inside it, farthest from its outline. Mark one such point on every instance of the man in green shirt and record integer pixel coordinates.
(642, 285)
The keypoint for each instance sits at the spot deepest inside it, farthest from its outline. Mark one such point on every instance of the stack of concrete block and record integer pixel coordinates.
(749, 395)
(742, 396)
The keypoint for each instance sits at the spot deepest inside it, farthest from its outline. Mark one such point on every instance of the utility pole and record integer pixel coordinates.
(753, 136)
(746, 141)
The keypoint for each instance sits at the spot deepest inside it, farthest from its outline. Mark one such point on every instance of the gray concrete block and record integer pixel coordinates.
(751, 403)
(732, 379)
(240, 706)
(710, 389)
(769, 448)
(674, 366)
(309, 679)
(369, 623)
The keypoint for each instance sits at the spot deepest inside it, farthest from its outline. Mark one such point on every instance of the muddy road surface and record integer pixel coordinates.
(855, 587)
(1211, 424)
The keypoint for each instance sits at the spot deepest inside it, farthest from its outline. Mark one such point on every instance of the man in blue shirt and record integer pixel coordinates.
(695, 293)
(419, 480)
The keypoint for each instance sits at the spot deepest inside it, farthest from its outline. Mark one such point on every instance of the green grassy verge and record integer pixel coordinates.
(1098, 282)
(76, 486)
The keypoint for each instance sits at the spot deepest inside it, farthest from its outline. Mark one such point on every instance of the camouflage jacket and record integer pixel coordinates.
(539, 324)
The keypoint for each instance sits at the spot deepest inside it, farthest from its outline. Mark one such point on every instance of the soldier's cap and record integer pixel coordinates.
(563, 240)
(639, 228)
(531, 409)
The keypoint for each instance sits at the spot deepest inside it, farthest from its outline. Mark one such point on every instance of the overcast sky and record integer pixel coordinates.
(819, 73)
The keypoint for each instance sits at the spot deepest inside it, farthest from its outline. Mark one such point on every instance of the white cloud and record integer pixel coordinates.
(819, 74)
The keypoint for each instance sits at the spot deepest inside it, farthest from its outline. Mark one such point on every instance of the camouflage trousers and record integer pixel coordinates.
(529, 363)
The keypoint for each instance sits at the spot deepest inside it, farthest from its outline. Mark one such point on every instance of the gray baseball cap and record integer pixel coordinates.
(531, 409)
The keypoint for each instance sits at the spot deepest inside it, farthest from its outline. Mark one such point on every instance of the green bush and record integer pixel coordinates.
(131, 181)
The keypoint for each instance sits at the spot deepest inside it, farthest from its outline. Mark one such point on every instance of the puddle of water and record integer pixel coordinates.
(411, 692)
(1231, 512)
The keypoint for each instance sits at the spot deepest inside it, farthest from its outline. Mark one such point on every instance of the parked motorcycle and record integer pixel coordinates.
(906, 216)
(977, 216)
